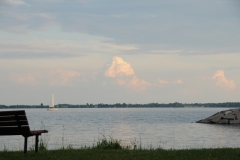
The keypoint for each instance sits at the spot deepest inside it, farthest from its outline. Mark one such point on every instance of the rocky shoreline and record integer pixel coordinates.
(231, 116)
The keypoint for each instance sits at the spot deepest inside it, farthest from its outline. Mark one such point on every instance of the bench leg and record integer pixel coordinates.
(25, 145)
(36, 144)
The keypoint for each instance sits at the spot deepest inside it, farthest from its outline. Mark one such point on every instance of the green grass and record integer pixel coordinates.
(112, 149)
(125, 154)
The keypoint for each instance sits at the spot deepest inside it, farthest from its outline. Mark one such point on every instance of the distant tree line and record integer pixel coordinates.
(22, 106)
(124, 105)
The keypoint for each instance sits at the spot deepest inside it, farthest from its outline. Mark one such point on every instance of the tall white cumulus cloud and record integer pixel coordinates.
(119, 68)
(123, 75)
(222, 81)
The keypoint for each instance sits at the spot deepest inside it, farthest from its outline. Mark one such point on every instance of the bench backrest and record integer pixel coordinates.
(14, 123)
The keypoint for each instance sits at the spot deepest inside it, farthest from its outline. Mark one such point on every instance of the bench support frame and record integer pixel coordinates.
(36, 144)
(25, 145)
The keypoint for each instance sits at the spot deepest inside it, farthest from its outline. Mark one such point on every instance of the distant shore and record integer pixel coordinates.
(124, 105)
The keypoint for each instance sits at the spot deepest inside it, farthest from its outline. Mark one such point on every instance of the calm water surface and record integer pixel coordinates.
(152, 127)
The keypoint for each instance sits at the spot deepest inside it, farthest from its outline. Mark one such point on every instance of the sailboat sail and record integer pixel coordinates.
(51, 106)
(52, 102)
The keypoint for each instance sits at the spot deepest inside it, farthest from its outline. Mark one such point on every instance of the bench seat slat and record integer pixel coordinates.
(12, 118)
(32, 133)
(38, 132)
(14, 123)
(23, 129)
(7, 113)
(9, 133)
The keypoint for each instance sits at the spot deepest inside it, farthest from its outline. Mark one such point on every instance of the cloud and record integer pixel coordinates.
(118, 15)
(14, 2)
(137, 84)
(167, 51)
(83, 1)
(101, 46)
(56, 77)
(179, 81)
(53, 47)
(62, 77)
(39, 49)
(189, 91)
(222, 81)
(133, 83)
(160, 81)
(143, 27)
(119, 68)
(123, 75)
(45, 15)
(30, 78)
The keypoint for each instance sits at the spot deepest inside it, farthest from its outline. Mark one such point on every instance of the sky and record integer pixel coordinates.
(111, 51)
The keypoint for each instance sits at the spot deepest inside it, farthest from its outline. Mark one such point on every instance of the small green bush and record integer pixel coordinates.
(108, 144)
(42, 145)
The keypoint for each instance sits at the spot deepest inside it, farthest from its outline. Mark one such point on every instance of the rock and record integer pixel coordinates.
(223, 121)
(237, 117)
(215, 115)
(216, 118)
(234, 110)
(204, 121)
(235, 121)
(227, 112)
(231, 116)
(237, 114)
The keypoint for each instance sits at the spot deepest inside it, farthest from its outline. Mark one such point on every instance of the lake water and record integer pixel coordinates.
(152, 127)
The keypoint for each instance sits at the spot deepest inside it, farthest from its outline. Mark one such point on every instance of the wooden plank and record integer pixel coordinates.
(10, 133)
(14, 123)
(38, 132)
(31, 133)
(6, 113)
(24, 129)
(13, 118)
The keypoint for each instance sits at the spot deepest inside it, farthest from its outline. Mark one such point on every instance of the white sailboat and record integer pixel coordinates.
(51, 106)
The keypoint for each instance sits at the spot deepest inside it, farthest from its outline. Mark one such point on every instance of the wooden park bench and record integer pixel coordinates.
(16, 123)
